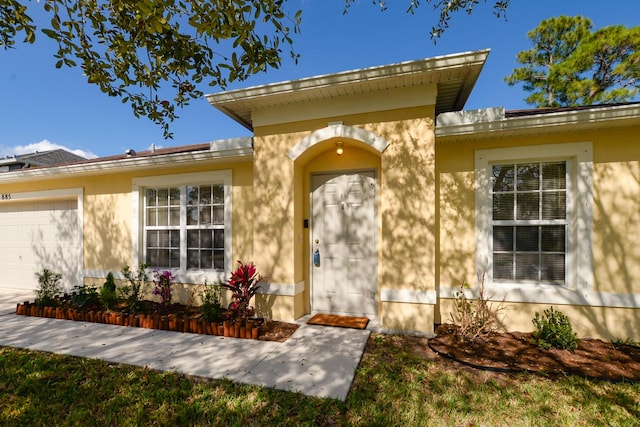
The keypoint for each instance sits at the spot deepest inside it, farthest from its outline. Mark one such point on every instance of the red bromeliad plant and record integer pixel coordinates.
(244, 284)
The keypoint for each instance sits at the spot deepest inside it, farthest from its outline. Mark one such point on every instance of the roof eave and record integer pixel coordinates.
(226, 102)
(616, 116)
(236, 153)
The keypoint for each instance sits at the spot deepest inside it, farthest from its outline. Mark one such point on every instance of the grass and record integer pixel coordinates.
(393, 386)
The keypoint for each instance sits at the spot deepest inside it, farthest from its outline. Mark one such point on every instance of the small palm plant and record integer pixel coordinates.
(243, 284)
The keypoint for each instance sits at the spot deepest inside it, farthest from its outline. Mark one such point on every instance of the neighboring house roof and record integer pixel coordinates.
(500, 123)
(44, 158)
(236, 149)
(453, 75)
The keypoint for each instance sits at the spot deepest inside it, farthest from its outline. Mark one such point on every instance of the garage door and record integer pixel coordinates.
(37, 235)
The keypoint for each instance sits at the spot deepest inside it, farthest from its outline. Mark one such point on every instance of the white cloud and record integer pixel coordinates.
(44, 145)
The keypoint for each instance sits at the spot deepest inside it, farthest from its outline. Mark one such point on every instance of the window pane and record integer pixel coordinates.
(527, 267)
(205, 195)
(218, 259)
(205, 215)
(174, 236)
(218, 194)
(502, 239)
(554, 176)
(152, 239)
(218, 214)
(528, 205)
(152, 218)
(193, 259)
(163, 216)
(152, 257)
(163, 238)
(528, 177)
(192, 215)
(192, 196)
(502, 266)
(174, 196)
(163, 197)
(554, 205)
(527, 239)
(174, 258)
(553, 267)
(163, 259)
(193, 237)
(553, 238)
(206, 258)
(218, 239)
(502, 207)
(503, 178)
(174, 216)
(151, 197)
(206, 239)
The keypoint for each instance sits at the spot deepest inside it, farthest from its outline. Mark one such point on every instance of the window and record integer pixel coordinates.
(185, 222)
(529, 221)
(199, 221)
(534, 219)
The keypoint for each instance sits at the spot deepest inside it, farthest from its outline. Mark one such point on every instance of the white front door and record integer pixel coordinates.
(343, 244)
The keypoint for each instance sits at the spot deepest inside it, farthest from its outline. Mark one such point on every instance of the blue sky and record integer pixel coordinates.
(42, 107)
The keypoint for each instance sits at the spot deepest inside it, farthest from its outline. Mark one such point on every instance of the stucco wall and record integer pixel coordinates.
(108, 215)
(616, 224)
(406, 208)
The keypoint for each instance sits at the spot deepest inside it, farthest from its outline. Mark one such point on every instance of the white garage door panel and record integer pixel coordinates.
(35, 236)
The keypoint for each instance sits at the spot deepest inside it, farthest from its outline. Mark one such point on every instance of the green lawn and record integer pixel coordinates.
(392, 387)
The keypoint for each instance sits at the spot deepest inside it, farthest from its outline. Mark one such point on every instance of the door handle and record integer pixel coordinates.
(316, 258)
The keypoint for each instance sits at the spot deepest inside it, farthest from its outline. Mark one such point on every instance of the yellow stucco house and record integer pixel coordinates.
(368, 192)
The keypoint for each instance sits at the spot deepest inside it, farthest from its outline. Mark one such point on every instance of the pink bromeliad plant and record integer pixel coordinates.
(243, 284)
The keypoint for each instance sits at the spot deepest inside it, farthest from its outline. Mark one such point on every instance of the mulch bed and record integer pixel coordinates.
(182, 316)
(512, 352)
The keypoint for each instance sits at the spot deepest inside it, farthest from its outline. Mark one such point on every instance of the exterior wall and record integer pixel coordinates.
(611, 309)
(406, 238)
(108, 216)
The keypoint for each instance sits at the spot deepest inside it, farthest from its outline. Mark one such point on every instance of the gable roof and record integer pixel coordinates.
(454, 75)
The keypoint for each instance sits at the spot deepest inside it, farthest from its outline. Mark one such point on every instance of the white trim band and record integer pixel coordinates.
(549, 294)
(282, 289)
(408, 296)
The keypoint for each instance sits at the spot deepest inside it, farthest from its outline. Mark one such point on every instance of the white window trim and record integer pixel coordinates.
(223, 177)
(579, 277)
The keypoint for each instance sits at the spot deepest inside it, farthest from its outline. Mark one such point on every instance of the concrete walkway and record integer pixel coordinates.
(316, 361)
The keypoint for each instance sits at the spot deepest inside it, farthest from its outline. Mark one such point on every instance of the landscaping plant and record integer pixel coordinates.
(108, 296)
(163, 282)
(84, 296)
(554, 330)
(243, 284)
(475, 317)
(49, 288)
(133, 291)
(211, 308)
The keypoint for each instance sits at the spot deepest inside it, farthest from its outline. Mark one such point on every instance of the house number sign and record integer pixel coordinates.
(5, 196)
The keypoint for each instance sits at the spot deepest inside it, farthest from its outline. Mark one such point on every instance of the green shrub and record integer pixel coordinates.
(84, 296)
(133, 291)
(49, 288)
(211, 308)
(554, 330)
(108, 296)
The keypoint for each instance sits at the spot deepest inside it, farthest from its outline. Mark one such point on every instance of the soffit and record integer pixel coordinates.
(453, 75)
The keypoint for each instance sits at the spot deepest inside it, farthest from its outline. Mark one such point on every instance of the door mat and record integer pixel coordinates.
(339, 321)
